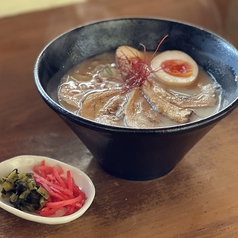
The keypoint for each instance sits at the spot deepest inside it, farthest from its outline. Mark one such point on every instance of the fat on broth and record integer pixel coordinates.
(95, 89)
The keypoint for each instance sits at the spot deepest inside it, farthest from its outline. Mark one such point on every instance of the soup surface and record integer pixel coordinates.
(137, 89)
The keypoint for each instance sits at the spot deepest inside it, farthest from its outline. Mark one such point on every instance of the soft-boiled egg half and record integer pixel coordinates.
(129, 52)
(175, 68)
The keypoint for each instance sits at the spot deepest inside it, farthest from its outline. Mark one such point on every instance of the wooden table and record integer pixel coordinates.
(199, 198)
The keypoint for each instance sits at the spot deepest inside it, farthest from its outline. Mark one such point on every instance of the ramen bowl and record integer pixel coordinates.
(132, 153)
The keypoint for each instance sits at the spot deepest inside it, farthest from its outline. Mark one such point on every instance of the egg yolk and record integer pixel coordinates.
(178, 68)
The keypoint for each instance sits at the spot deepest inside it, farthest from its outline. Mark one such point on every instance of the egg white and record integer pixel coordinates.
(127, 51)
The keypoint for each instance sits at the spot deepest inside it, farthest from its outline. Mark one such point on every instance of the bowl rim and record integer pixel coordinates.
(212, 119)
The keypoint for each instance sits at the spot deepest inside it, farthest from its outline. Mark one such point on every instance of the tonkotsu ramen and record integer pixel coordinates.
(140, 89)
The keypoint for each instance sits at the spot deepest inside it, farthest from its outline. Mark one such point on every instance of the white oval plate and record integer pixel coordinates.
(24, 164)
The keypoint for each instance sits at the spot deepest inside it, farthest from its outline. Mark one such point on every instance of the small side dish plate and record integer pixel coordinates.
(25, 163)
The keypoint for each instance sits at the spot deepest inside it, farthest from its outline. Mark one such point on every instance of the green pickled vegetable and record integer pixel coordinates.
(22, 191)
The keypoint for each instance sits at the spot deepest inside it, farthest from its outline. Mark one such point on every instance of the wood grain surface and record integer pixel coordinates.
(199, 198)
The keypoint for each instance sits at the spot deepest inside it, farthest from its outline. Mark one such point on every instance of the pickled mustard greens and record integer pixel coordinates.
(22, 191)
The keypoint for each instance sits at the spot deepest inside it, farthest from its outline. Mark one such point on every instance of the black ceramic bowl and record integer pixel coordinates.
(137, 154)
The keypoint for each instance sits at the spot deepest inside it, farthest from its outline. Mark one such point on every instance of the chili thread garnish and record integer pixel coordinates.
(134, 70)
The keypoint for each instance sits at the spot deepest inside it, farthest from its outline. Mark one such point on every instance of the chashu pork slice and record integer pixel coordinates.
(139, 113)
(69, 94)
(163, 106)
(104, 107)
(206, 97)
